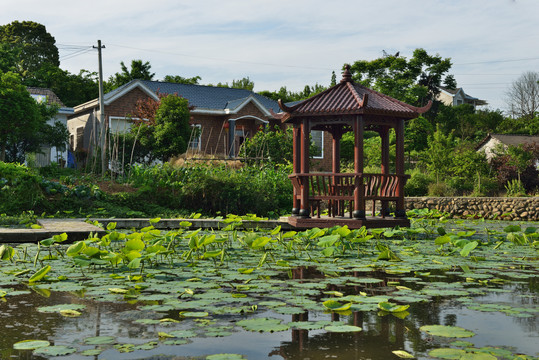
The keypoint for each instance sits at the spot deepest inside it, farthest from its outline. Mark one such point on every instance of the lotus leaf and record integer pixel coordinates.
(446, 331)
(30, 344)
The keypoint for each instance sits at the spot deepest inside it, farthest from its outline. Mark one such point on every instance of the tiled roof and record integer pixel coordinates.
(51, 97)
(508, 139)
(203, 97)
(348, 98)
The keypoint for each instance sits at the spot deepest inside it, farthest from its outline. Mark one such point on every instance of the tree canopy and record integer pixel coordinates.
(34, 44)
(139, 70)
(415, 80)
(22, 119)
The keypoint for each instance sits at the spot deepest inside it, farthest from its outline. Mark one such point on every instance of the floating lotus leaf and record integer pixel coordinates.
(342, 328)
(183, 334)
(403, 354)
(447, 353)
(225, 357)
(91, 352)
(70, 313)
(446, 331)
(263, 324)
(194, 313)
(30, 344)
(57, 350)
(477, 356)
(58, 308)
(100, 340)
(334, 305)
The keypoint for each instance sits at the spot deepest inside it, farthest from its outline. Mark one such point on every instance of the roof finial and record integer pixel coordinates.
(346, 75)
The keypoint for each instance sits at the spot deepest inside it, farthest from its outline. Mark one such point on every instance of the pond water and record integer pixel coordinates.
(277, 301)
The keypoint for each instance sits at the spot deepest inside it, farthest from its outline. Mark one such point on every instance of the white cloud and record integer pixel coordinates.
(304, 39)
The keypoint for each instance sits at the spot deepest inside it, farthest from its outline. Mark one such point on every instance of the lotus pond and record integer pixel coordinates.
(438, 290)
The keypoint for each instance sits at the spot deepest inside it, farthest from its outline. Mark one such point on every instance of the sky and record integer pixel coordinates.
(292, 43)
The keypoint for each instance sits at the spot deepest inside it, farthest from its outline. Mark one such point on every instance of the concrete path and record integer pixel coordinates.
(79, 229)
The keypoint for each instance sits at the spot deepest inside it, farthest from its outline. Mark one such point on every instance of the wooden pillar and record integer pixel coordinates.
(359, 191)
(335, 207)
(304, 210)
(384, 134)
(336, 154)
(400, 211)
(296, 168)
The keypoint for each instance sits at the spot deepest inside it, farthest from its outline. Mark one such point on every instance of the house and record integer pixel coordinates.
(49, 154)
(224, 116)
(456, 97)
(493, 142)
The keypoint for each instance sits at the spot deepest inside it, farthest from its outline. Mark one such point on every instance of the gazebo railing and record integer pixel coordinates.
(337, 190)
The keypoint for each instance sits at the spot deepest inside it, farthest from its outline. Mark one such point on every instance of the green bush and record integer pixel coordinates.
(439, 189)
(19, 188)
(418, 183)
(460, 185)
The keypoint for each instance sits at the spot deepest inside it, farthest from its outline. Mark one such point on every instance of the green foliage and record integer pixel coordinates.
(181, 80)
(139, 70)
(171, 130)
(515, 188)
(418, 183)
(20, 115)
(20, 190)
(72, 89)
(414, 81)
(34, 44)
(272, 145)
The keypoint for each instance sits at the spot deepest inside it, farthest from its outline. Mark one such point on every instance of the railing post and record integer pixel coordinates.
(296, 166)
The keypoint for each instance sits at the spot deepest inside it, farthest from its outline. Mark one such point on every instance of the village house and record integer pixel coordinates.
(455, 97)
(493, 144)
(49, 154)
(225, 117)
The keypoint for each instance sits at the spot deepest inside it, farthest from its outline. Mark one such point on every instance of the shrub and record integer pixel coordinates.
(418, 183)
(439, 189)
(19, 188)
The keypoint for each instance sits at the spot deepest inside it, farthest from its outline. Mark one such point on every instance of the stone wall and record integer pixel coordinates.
(521, 208)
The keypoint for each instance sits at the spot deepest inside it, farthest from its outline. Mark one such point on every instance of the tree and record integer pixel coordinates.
(414, 81)
(171, 130)
(181, 80)
(35, 45)
(22, 119)
(522, 98)
(8, 58)
(72, 89)
(57, 136)
(139, 70)
(244, 83)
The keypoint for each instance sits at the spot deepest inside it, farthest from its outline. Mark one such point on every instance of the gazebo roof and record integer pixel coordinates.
(349, 98)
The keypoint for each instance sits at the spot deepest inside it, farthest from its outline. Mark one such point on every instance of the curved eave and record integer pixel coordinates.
(291, 117)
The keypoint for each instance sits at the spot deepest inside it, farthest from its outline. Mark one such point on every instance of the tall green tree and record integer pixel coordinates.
(72, 89)
(181, 80)
(415, 80)
(139, 70)
(35, 45)
(171, 130)
(22, 119)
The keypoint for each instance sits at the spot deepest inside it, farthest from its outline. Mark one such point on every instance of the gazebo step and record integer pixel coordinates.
(368, 222)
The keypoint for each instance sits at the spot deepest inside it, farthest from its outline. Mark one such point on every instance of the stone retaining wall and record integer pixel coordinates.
(521, 208)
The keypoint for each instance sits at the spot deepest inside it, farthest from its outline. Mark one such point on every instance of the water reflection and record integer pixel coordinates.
(380, 336)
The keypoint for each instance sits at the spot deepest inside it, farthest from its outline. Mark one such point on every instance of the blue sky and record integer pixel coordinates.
(295, 42)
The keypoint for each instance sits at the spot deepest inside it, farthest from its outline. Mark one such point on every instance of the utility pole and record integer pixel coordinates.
(102, 124)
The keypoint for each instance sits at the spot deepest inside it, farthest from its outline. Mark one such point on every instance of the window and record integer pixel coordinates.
(194, 142)
(317, 138)
(119, 125)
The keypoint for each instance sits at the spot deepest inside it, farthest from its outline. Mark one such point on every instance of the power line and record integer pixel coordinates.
(225, 60)
(497, 61)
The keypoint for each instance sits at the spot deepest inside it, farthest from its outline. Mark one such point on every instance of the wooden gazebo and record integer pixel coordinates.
(345, 107)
